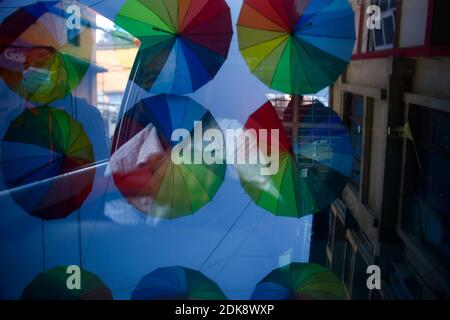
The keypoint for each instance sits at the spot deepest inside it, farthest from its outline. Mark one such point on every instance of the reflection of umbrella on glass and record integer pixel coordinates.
(312, 173)
(183, 43)
(52, 285)
(296, 46)
(142, 164)
(300, 281)
(41, 59)
(177, 283)
(44, 146)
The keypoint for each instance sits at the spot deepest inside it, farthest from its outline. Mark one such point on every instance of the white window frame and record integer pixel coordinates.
(388, 13)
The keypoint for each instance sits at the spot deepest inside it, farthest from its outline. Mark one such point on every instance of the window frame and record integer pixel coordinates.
(389, 12)
(361, 191)
(421, 251)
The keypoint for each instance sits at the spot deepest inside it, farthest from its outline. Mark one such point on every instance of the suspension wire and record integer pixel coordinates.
(225, 235)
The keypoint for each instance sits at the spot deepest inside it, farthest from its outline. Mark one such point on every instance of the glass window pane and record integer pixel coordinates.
(388, 27)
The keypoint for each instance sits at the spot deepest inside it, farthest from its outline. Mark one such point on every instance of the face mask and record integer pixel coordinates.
(34, 78)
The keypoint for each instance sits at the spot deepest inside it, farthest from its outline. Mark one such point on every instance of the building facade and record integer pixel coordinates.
(395, 100)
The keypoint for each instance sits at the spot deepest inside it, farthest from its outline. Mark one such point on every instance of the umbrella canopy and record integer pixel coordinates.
(142, 164)
(300, 281)
(183, 42)
(312, 173)
(41, 59)
(296, 46)
(41, 150)
(52, 285)
(177, 283)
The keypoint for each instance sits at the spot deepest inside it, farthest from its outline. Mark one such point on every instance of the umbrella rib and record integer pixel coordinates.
(310, 56)
(278, 202)
(76, 139)
(165, 31)
(56, 58)
(263, 60)
(317, 12)
(176, 47)
(162, 163)
(226, 12)
(259, 43)
(186, 187)
(296, 53)
(174, 23)
(275, 11)
(307, 76)
(38, 133)
(325, 23)
(185, 26)
(325, 37)
(199, 182)
(32, 172)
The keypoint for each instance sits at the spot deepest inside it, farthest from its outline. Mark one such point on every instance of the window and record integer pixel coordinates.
(382, 39)
(354, 119)
(402, 281)
(441, 23)
(426, 202)
(338, 247)
(348, 266)
(360, 290)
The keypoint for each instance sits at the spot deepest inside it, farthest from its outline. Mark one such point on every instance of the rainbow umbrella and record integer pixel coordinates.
(183, 42)
(177, 283)
(311, 174)
(52, 285)
(41, 58)
(300, 281)
(142, 164)
(41, 150)
(296, 46)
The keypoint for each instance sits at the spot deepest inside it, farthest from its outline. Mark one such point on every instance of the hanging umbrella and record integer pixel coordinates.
(41, 58)
(177, 283)
(296, 46)
(52, 285)
(44, 159)
(300, 281)
(312, 173)
(183, 42)
(142, 164)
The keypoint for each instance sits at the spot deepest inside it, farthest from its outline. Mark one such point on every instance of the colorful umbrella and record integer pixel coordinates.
(41, 58)
(41, 150)
(184, 42)
(312, 173)
(300, 281)
(142, 164)
(296, 46)
(52, 285)
(177, 283)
